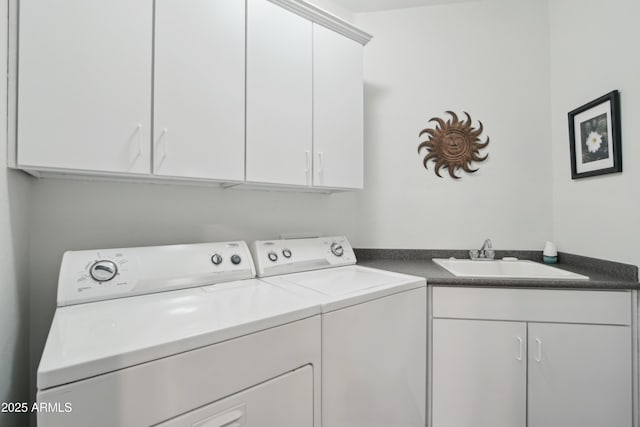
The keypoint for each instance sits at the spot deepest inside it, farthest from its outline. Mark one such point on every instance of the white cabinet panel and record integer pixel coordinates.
(374, 370)
(85, 85)
(479, 373)
(199, 89)
(543, 305)
(337, 110)
(579, 375)
(279, 95)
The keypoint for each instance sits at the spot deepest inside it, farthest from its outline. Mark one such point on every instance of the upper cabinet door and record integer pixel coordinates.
(199, 89)
(85, 85)
(279, 95)
(337, 110)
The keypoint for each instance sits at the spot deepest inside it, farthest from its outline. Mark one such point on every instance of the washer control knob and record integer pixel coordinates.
(273, 256)
(286, 253)
(103, 270)
(216, 259)
(337, 249)
(235, 259)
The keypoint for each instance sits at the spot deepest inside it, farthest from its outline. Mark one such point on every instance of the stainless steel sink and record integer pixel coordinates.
(517, 269)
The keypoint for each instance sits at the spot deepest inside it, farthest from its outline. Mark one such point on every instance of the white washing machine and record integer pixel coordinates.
(373, 330)
(178, 336)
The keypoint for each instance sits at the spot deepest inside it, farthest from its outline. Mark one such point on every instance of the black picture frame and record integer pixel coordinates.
(595, 137)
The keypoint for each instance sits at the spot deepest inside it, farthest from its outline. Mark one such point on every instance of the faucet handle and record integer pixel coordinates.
(489, 253)
(474, 254)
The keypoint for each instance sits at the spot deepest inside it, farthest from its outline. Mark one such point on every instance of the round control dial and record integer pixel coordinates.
(286, 253)
(272, 256)
(103, 270)
(235, 259)
(337, 249)
(216, 259)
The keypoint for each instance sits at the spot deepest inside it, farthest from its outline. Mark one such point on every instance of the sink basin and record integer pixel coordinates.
(517, 269)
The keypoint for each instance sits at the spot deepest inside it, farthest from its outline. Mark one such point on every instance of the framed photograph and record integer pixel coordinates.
(594, 137)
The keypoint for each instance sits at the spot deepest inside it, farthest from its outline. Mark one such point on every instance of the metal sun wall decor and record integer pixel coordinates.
(453, 145)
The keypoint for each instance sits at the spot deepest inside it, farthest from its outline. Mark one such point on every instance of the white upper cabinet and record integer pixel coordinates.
(85, 85)
(199, 89)
(257, 91)
(337, 110)
(279, 95)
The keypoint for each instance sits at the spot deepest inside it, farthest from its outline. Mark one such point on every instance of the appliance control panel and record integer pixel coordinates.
(95, 275)
(295, 255)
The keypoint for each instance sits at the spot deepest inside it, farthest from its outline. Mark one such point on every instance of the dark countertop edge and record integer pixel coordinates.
(608, 274)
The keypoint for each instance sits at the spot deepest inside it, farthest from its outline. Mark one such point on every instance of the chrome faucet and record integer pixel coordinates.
(486, 252)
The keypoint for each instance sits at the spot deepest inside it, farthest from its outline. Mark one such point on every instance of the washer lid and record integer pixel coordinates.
(95, 338)
(341, 287)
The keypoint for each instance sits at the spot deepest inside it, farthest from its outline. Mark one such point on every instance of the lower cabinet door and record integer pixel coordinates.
(579, 375)
(479, 373)
(285, 401)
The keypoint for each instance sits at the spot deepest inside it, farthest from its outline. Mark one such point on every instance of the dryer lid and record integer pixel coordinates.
(86, 340)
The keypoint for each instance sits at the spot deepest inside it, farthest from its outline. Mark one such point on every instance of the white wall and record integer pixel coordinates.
(488, 58)
(14, 210)
(594, 50)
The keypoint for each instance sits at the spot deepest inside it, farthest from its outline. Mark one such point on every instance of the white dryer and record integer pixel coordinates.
(373, 330)
(178, 336)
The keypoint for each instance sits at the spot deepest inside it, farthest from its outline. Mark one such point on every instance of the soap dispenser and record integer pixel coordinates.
(550, 253)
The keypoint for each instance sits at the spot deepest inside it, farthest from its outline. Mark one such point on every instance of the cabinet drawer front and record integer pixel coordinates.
(548, 305)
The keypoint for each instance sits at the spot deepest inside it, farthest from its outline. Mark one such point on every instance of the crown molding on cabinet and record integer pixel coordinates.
(324, 18)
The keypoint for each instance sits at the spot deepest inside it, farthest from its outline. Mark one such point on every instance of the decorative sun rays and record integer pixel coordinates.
(453, 144)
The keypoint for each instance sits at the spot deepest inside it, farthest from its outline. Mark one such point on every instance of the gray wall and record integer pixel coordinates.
(14, 286)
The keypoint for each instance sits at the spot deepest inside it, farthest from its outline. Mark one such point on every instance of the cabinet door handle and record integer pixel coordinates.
(308, 169)
(520, 347)
(539, 354)
(320, 162)
(165, 136)
(139, 130)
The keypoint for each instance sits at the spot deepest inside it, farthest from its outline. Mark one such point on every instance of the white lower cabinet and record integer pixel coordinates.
(563, 359)
(579, 375)
(479, 375)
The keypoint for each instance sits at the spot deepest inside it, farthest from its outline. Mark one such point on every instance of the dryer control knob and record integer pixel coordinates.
(235, 259)
(216, 259)
(337, 249)
(286, 253)
(273, 256)
(103, 270)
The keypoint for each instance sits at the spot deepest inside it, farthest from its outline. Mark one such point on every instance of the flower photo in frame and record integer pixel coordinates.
(594, 137)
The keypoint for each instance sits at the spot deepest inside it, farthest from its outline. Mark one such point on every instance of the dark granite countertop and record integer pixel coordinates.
(603, 275)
